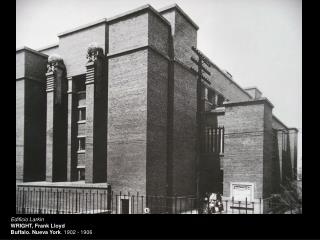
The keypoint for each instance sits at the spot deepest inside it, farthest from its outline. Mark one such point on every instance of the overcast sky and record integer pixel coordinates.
(258, 41)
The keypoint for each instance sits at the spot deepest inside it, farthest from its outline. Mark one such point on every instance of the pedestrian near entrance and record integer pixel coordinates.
(219, 204)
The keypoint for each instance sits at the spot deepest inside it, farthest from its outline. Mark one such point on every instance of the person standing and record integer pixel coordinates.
(219, 204)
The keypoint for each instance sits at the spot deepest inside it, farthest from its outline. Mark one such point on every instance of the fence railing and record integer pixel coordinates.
(73, 200)
(62, 200)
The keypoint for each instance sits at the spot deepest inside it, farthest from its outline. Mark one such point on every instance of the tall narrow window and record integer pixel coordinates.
(81, 174)
(211, 97)
(82, 113)
(220, 100)
(206, 93)
(81, 144)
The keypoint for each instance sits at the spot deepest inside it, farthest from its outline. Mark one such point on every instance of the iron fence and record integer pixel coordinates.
(73, 200)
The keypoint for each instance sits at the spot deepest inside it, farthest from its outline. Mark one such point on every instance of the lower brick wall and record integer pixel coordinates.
(268, 153)
(184, 132)
(244, 142)
(19, 129)
(158, 68)
(127, 122)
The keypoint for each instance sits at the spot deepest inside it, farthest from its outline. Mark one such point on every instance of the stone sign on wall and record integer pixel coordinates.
(241, 191)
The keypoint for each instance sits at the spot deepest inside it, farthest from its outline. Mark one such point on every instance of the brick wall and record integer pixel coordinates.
(184, 132)
(137, 105)
(244, 154)
(30, 112)
(20, 93)
(49, 137)
(157, 124)
(128, 34)
(184, 36)
(56, 130)
(267, 152)
(225, 86)
(20, 67)
(96, 123)
(35, 115)
(127, 122)
(73, 47)
(158, 35)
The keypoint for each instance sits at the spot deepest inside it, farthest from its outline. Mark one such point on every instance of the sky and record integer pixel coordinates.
(258, 41)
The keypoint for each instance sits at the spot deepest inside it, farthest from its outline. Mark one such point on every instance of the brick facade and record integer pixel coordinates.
(30, 110)
(139, 99)
(246, 158)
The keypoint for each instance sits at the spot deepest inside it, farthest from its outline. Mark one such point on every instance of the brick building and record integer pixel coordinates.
(123, 111)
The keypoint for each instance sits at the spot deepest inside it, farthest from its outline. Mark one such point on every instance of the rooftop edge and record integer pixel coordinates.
(176, 6)
(24, 48)
(48, 47)
(248, 102)
(114, 18)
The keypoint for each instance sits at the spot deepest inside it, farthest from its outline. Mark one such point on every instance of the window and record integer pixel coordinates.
(82, 113)
(220, 100)
(81, 174)
(206, 91)
(81, 99)
(284, 140)
(214, 140)
(81, 144)
(211, 96)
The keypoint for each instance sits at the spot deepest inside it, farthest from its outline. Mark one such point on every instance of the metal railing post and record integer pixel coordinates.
(226, 206)
(232, 204)
(252, 207)
(23, 202)
(39, 210)
(246, 206)
(76, 201)
(109, 197)
(57, 202)
(260, 204)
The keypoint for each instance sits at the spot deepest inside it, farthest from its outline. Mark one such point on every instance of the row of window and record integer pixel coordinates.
(81, 118)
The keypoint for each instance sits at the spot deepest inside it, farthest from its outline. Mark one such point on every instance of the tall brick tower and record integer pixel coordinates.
(138, 75)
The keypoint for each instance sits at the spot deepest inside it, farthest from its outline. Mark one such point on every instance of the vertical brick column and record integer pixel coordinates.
(56, 135)
(49, 131)
(248, 146)
(96, 120)
(72, 138)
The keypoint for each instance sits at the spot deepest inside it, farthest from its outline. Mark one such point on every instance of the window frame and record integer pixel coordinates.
(79, 169)
(80, 108)
(81, 150)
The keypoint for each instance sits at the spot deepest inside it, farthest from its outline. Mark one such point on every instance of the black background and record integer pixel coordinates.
(306, 225)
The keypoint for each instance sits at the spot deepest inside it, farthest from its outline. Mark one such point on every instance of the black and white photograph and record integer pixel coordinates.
(157, 107)
(131, 113)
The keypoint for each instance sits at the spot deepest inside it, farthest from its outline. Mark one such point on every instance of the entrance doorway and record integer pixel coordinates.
(124, 205)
